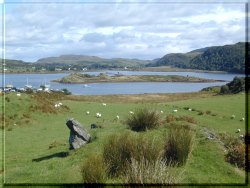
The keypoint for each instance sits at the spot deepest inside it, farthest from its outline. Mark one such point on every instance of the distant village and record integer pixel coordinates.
(29, 88)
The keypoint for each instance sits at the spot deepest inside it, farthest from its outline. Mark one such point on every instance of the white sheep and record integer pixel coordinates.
(87, 112)
(189, 109)
(60, 104)
(117, 117)
(161, 111)
(175, 110)
(98, 115)
(233, 117)
(104, 104)
(131, 112)
(238, 130)
(18, 94)
(56, 105)
(242, 119)
(241, 136)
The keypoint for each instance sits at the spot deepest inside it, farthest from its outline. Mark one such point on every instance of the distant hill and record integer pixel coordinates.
(19, 65)
(179, 60)
(90, 62)
(230, 58)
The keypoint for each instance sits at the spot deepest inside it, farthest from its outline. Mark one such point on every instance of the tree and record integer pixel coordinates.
(224, 89)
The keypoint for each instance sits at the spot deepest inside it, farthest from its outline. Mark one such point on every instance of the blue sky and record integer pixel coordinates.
(130, 30)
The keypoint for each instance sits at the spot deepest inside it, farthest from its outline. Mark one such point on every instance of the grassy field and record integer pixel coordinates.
(36, 136)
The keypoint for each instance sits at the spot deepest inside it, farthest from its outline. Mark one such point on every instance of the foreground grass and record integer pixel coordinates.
(37, 145)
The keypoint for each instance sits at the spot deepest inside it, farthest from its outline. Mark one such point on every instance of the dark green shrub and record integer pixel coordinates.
(94, 170)
(201, 113)
(7, 99)
(66, 91)
(143, 120)
(179, 144)
(208, 112)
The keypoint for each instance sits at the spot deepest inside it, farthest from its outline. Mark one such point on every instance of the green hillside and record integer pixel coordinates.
(230, 58)
(17, 65)
(91, 62)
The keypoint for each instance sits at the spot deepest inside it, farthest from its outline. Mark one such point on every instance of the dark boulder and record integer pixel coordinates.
(78, 135)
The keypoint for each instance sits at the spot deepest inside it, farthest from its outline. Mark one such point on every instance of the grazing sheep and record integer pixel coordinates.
(18, 94)
(60, 104)
(117, 117)
(175, 111)
(87, 112)
(238, 130)
(189, 109)
(241, 136)
(242, 119)
(104, 104)
(233, 117)
(161, 111)
(131, 112)
(56, 105)
(98, 115)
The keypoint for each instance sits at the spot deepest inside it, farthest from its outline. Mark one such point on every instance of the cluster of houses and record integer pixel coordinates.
(27, 87)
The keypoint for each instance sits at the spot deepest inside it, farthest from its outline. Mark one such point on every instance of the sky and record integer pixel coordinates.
(144, 30)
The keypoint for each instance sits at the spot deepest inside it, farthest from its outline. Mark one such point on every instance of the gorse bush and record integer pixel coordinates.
(179, 144)
(94, 170)
(143, 120)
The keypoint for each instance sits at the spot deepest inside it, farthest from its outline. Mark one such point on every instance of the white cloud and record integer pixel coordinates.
(144, 30)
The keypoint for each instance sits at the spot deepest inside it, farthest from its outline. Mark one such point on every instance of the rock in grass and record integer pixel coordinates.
(78, 135)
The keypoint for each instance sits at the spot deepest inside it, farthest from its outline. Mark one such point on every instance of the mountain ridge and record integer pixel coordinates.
(229, 58)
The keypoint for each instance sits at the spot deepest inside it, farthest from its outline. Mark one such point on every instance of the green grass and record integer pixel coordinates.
(33, 139)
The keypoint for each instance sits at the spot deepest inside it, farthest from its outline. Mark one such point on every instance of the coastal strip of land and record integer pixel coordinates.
(78, 78)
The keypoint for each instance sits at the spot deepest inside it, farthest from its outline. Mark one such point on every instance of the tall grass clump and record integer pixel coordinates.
(144, 119)
(179, 143)
(119, 151)
(94, 170)
(148, 148)
(151, 172)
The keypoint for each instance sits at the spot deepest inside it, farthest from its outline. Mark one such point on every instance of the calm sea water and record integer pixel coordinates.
(19, 80)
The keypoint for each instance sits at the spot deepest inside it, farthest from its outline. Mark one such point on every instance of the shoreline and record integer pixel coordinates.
(213, 81)
(151, 69)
